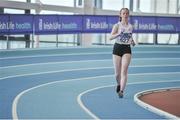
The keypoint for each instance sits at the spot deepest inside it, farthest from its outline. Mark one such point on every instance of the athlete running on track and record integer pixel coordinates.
(122, 33)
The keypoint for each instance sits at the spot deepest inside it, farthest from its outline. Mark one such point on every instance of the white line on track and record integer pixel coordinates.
(69, 54)
(57, 71)
(54, 55)
(152, 108)
(15, 102)
(46, 63)
(96, 88)
(80, 47)
(79, 69)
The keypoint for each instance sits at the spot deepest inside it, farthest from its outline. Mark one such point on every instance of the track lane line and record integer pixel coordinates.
(153, 108)
(44, 63)
(78, 69)
(69, 54)
(80, 102)
(15, 102)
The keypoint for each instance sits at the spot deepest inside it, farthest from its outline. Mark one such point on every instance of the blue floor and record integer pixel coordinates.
(49, 81)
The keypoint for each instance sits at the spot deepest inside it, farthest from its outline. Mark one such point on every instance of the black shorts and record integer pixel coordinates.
(120, 49)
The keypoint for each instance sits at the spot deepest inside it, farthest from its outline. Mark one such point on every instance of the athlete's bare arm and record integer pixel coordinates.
(114, 32)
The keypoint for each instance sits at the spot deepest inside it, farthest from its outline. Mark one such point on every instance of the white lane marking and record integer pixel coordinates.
(61, 48)
(80, 47)
(15, 102)
(83, 106)
(54, 55)
(56, 71)
(37, 49)
(78, 69)
(69, 54)
(45, 63)
(153, 108)
(96, 88)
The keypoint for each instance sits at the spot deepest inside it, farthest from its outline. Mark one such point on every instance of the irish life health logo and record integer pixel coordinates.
(88, 23)
(136, 24)
(40, 24)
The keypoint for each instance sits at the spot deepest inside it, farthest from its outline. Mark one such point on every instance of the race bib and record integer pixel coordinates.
(125, 37)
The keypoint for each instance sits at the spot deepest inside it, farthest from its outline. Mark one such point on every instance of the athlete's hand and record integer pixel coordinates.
(133, 43)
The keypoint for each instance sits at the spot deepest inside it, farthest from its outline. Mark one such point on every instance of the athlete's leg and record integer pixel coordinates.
(117, 68)
(126, 58)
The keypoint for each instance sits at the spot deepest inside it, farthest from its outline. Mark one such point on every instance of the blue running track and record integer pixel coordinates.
(79, 83)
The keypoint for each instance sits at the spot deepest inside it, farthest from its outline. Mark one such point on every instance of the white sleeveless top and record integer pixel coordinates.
(125, 36)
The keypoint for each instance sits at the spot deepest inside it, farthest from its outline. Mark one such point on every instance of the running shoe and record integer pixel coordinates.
(118, 88)
(120, 93)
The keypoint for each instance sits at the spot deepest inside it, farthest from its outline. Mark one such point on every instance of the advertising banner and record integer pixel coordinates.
(111, 20)
(166, 24)
(95, 24)
(21, 24)
(4, 24)
(46, 24)
(70, 24)
(144, 24)
(178, 25)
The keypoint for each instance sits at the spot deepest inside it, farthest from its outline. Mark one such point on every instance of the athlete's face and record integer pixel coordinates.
(124, 14)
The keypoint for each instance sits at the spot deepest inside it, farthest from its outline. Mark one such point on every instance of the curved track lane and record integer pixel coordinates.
(54, 80)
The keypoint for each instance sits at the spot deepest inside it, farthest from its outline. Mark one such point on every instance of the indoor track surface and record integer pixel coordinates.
(79, 83)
